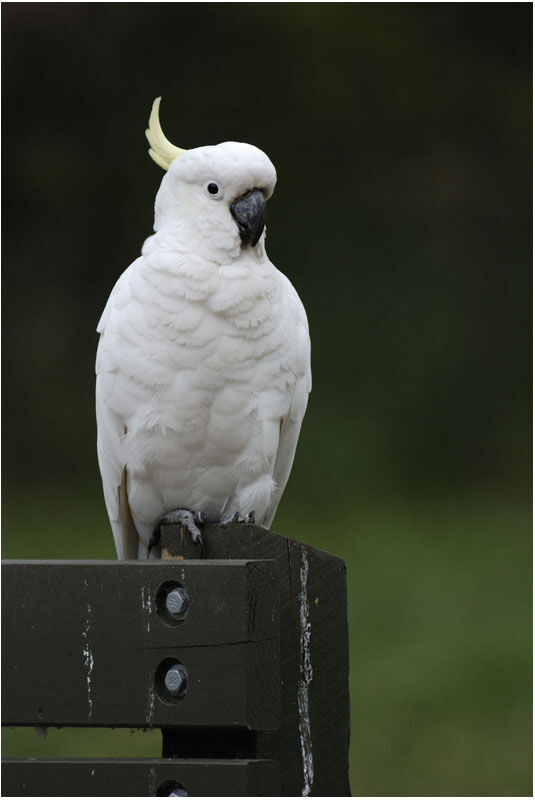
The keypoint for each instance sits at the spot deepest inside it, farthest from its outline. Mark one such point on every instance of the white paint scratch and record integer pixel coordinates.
(146, 605)
(150, 707)
(152, 782)
(88, 656)
(305, 679)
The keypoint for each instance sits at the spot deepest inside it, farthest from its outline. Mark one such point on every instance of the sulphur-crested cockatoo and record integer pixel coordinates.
(203, 363)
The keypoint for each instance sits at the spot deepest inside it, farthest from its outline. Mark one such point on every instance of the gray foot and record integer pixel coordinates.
(189, 520)
(249, 518)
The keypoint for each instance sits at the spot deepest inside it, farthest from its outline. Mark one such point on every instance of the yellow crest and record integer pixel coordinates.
(161, 150)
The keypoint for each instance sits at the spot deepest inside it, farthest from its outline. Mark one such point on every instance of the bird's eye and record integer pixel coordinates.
(213, 190)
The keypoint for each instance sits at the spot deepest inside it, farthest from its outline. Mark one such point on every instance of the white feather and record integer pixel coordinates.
(203, 364)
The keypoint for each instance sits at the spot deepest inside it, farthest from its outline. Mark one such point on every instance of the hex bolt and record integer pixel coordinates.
(176, 680)
(171, 789)
(177, 603)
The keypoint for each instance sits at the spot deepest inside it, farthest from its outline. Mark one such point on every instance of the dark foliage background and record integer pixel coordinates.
(402, 139)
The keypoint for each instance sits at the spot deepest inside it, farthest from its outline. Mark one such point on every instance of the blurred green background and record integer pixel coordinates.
(402, 138)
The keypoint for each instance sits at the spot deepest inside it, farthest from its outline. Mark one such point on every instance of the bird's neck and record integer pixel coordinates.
(232, 289)
(186, 245)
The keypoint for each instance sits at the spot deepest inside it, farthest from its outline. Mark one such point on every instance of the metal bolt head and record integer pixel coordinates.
(177, 603)
(171, 789)
(176, 680)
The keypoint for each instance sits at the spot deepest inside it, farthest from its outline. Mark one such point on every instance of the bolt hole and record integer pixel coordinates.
(172, 603)
(171, 789)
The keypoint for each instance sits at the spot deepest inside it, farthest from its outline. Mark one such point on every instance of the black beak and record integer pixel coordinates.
(249, 211)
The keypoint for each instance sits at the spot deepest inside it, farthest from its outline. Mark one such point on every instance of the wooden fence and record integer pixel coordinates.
(240, 659)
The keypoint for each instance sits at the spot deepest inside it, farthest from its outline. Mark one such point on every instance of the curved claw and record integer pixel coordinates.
(197, 539)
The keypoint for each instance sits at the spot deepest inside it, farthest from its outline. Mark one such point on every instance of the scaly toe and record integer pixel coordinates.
(249, 518)
(187, 519)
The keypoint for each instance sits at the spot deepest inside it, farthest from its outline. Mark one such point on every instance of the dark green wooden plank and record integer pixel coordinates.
(138, 777)
(312, 748)
(82, 642)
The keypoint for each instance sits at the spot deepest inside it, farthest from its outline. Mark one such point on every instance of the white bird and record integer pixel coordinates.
(203, 363)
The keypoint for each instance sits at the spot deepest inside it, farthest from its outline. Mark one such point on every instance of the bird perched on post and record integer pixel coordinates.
(203, 363)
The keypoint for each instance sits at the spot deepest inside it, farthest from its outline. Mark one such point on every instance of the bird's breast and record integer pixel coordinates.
(197, 366)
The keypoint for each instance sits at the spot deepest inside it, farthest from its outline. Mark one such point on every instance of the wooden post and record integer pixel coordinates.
(312, 743)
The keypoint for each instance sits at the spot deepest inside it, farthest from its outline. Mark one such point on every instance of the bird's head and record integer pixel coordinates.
(217, 193)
